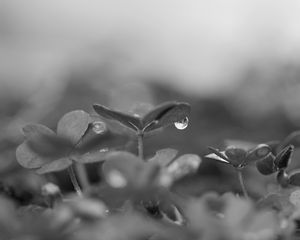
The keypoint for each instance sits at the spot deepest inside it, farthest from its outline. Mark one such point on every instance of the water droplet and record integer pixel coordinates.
(182, 124)
(116, 179)
(103, 150)
(136, 115)
(99, 127)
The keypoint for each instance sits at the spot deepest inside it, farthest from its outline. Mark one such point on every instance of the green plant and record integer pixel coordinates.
(47, 151)
(136, 196)
(240, 158)
(161, 116)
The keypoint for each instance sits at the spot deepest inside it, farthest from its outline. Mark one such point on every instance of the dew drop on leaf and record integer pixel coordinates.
(182, 124)
(115, 179)
(99, 127)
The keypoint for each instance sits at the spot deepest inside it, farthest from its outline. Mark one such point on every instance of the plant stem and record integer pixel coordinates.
(241, 179)
(140, 136)
(74, 180)
(82, 176)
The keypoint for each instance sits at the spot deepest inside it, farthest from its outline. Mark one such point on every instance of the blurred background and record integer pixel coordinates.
(236, 62)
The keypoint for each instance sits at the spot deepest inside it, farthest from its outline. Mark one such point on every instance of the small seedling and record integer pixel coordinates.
(74, 143)
(240, 158)
(166, 114)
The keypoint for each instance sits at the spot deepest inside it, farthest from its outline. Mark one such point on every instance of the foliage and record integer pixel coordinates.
(135, 196)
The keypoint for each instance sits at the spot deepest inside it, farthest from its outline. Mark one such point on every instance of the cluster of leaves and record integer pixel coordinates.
(269, 158)
(74, 141)
(135, 197)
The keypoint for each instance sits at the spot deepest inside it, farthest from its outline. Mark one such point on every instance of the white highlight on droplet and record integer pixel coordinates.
(182, 124)
(99, 127)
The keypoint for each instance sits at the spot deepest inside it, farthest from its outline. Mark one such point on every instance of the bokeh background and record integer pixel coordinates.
(237, 63)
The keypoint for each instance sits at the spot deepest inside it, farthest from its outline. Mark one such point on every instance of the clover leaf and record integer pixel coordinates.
(161, 116)
(273, 163)
(283, 158)
(125, 169)
(266, 165)
(173, 168)
(164, 157)
(47, 151)
(294, 177)
(127, 177)
(239, 157)
(180, 167)
(73, 125)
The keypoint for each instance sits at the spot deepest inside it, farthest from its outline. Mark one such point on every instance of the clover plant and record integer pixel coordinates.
(134, 196)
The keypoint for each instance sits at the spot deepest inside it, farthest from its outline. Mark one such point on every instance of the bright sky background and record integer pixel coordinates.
(200, 42)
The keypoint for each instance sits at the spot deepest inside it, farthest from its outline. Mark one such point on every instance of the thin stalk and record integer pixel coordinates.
(140, 136)
(241, 180)
(74, 180)
(82, 176)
